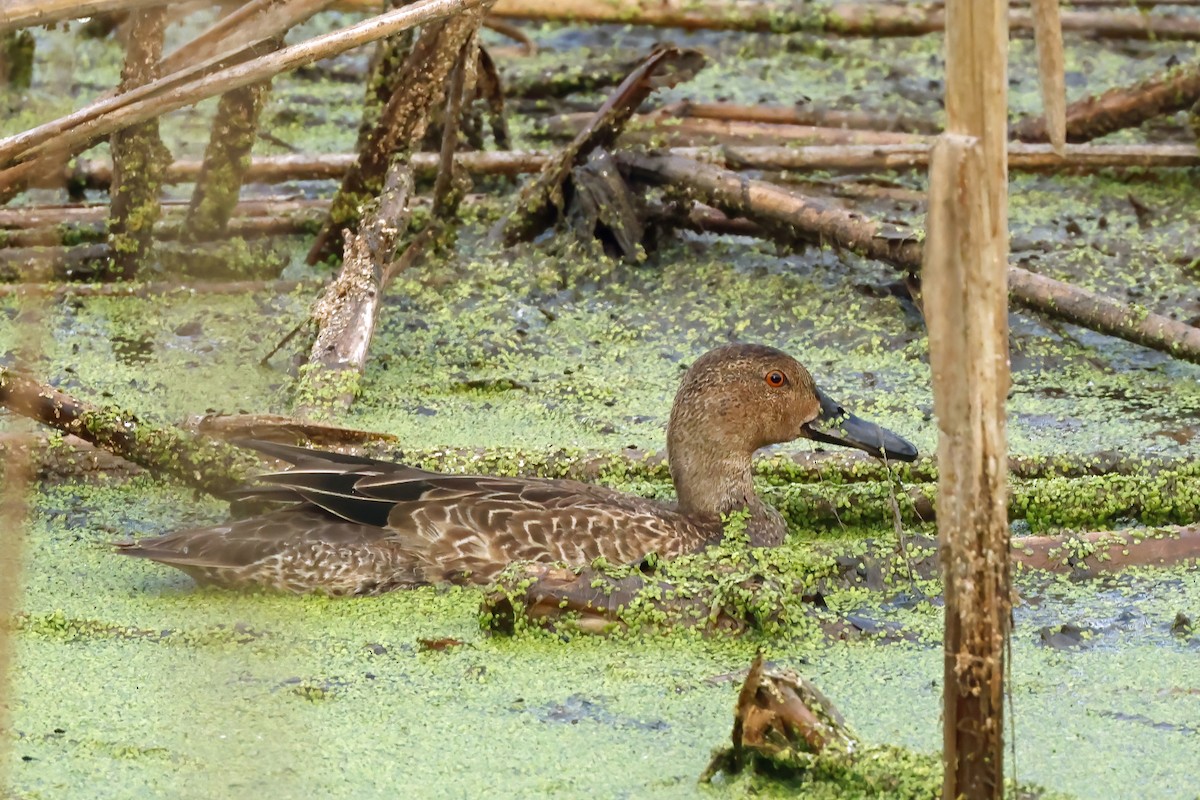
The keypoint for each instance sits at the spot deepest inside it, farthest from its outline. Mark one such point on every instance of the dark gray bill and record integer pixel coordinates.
(836, 425)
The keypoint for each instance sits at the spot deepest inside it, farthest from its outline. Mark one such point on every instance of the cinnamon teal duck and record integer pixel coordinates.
(352, 525)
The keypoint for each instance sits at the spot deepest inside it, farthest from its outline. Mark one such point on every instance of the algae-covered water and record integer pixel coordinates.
(129, 682)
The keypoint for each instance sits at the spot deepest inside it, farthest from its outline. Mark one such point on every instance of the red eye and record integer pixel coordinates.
(776, 378)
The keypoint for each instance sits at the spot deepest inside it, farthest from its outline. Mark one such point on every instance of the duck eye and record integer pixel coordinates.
(776, 378)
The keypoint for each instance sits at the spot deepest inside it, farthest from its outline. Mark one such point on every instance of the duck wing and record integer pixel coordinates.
(360, 525)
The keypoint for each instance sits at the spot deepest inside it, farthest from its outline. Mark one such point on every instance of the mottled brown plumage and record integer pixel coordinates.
(355, 525)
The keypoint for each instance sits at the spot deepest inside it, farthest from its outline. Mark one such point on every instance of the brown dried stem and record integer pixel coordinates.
(543, 199)
(403, 122)
(31, 153)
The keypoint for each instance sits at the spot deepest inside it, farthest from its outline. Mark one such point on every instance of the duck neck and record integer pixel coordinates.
(711, 483)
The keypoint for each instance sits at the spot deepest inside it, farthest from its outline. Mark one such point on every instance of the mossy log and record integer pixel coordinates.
(139, 156)
(208, 465)
(226, 159)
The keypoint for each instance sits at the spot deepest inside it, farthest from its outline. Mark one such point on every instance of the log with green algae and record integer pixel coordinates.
(226, 159)
(420, 88)
(16, 59)
(140, 158)
(210, 466)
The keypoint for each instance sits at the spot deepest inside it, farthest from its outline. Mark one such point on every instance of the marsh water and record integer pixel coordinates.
(130, 682)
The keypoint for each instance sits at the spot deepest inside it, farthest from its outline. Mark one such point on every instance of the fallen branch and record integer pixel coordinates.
(346, 313)
(153, 289)
(1022, 157)
(802, 114)
(210, 466)
(49, 216)
(97, 174)
(1125, 107)
(662, 130)
(545, 198)
(1133, 323)
(402, 123)
(790, 218)
(877, 20)
(1088, 554)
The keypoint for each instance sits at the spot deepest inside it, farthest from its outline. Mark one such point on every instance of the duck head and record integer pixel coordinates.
(738, 398)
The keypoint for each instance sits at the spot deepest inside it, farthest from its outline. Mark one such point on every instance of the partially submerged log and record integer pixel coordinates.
(346, 313)
(1123, 107)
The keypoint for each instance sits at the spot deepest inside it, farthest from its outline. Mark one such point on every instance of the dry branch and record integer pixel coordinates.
(1078, 306)
(346, 313)
(801, 114)
(30, 13)
(785, 214)
(83, 128)
(844, 19)
(207, 465)
(664, 130)
(97, 174)
(1126, 107)
(544, 198)
(1022, 157)
(61, 291)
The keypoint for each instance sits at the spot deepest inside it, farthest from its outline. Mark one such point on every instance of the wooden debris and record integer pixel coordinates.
(781, 722)
(1047, 23)
(31, 154)
(789, 218)
(346, 313)
(1116, 109)
(402, 124)
(544, 199)
(878, 20)
(276, 428)
(802, 114)
(1088, 554)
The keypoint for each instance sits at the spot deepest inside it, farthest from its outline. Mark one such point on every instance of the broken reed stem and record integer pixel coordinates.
(139, 155)
(1051, 65)
(347, 311)
(965, 295)
(97, 174)
(876, 20)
